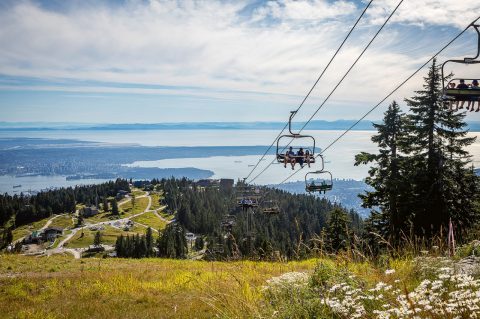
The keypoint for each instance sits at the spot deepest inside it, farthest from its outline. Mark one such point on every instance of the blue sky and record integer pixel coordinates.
(187, 61)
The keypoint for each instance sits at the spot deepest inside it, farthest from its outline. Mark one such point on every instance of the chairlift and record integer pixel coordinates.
(282, 152)
(218, 249)
(247, 196)
(228, 222)
(325, 184)
(270, 207)
(464, 93)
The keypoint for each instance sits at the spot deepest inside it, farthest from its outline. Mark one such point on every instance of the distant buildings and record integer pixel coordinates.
(89, 211)
(40, 236)
(224, 183)
(146, 185)
(121, 194)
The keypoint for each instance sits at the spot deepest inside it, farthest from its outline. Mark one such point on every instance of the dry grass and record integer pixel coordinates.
(61, 287)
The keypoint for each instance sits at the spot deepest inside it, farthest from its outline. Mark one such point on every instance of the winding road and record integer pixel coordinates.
(77, 252)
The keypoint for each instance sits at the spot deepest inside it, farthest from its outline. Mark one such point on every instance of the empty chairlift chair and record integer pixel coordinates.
(228, 222)
(247, 196)
(270, 207)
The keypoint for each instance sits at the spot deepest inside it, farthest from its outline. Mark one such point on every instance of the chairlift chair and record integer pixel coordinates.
(280, 154)
(324, 185)
(247, 196)
(228, 222)
(270, 207)
(465, 94)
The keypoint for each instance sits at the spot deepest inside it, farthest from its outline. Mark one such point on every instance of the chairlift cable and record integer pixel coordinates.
(313, 87)
(385, 98)
(338, 84)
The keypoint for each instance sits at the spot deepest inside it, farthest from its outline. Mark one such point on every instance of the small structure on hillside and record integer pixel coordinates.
(121, 194)
(36, 237)
(52, 233)
(40, 236)
(95, 249)
(90, 211)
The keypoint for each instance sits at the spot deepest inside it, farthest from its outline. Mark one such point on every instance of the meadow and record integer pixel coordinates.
(335, 287)
(62, 287)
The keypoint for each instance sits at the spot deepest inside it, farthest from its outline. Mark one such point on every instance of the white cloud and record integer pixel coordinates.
(279, 47)
(427, 12)
(317, 10)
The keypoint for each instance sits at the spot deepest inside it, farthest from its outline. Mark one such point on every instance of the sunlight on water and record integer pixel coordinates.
(339, 159)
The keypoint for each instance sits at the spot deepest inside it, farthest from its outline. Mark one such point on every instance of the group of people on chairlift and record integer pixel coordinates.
(300, 157)
(460, 101)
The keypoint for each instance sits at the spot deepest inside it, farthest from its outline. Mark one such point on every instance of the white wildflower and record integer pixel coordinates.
(389, 271)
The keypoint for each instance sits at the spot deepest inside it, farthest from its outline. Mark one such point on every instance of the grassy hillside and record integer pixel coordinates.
(62, 287)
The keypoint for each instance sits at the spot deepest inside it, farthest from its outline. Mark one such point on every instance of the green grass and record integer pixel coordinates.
(101, 217)
(128, 210)
(25, 230)
(64, 221)
(137, 229)
(155, 201)
(138, 192)
(151, 220)
(166, 215)
(109, 236)
(59, 239)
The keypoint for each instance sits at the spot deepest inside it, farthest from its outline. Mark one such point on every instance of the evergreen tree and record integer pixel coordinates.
(172, 243)
(199, 243)
(133, 200)
(106, 207)
(338, 230)
(97, 240)
(120, 246)
(386, 176)
(115, 210)
(79, 219)
(149, 242)
(442, 187)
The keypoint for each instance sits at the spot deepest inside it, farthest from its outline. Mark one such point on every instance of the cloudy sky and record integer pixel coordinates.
(187, 60)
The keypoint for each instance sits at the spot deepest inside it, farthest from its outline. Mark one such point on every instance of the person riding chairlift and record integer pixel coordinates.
(462, 86)
(289, 158)
(454, 102)
(475, 98)
(308, 157)
(300, 157)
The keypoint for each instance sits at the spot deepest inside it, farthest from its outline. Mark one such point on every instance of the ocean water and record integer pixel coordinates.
(339, 158)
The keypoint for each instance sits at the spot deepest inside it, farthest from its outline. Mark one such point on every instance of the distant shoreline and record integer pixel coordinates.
(474, 126)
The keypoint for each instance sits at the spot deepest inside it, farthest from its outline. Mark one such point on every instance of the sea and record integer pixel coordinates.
(339, 157)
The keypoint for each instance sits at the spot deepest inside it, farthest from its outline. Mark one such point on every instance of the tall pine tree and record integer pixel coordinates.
(386, 176)
(442, 186)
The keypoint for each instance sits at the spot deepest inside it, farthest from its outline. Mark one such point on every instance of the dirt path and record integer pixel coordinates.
(160, 216)
(77, 252)
(48, 223)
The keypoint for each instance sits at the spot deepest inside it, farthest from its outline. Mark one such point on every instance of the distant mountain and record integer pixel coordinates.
(313, 125)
